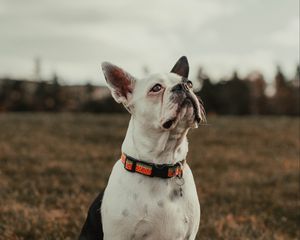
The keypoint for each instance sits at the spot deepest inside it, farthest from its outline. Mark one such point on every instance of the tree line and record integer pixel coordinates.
(234, 96)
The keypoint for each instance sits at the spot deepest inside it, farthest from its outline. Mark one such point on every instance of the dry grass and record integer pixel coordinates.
(52, 167)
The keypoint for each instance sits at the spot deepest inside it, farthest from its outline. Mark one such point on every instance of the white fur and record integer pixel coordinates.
(140, 207)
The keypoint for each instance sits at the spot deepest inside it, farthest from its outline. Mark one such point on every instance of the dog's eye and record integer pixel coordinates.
(156, 88)
(190, 84)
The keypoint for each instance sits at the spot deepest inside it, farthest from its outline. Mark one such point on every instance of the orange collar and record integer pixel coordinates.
(152, 170)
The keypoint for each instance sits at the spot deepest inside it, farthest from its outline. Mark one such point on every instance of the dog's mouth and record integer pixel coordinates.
(169, 123)
(189, 100)
(195, 103)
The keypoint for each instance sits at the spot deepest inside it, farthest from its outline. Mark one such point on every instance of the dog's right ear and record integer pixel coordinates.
(181, 67)
(119, 82)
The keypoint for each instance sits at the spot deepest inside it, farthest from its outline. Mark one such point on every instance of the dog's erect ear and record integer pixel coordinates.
(120, 82)
(181, 67)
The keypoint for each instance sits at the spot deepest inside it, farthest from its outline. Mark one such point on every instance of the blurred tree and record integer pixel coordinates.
(207, 93)
(235, 96)
(55, 94)
(48, 96)
(280, 80)
(226, 97)
(37, 69)
(286, 98)
(258, 99)
(296, 81)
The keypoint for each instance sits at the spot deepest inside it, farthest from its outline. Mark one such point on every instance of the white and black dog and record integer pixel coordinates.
(151, 193)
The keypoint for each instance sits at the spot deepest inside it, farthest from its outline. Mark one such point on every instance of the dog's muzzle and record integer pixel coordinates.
(184, 89)
(184, 96)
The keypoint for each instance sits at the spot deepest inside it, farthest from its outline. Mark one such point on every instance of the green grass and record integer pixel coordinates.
(54, 165)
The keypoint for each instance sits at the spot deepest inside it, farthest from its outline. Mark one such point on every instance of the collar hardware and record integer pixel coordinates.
(152, 170)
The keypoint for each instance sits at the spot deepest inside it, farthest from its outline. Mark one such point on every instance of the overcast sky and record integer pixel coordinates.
(72, 38)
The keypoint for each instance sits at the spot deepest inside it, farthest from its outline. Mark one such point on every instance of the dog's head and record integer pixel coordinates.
(161, 101)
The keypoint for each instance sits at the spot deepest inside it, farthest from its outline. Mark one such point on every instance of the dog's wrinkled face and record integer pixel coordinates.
(162, 101)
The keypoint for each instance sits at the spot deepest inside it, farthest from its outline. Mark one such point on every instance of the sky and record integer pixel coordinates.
(72, 38)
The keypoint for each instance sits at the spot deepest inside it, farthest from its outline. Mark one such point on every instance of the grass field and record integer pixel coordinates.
(53, 166)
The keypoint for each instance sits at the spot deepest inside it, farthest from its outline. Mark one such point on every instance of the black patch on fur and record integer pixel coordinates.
(160, 203)
(132, 237)
(174, 194)
(125, 212)
(145, 235)
(92, 228)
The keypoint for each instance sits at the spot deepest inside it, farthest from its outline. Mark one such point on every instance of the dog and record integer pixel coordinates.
(151, 193)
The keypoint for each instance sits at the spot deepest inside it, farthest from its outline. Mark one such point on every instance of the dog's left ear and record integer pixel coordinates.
(181, 67)
(119, 82)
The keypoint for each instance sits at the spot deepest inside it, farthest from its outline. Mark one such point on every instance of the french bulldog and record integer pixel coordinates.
(151, 193)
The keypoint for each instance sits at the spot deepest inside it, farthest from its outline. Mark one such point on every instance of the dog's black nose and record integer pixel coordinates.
(180, 87)
(177, 88)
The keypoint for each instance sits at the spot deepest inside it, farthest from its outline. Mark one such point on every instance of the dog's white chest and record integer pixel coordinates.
(139, 207)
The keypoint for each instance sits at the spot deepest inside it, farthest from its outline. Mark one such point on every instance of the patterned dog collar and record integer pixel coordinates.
(152, 170)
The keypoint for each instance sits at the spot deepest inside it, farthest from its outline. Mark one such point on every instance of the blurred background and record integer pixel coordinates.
(61, 132)
(244, 56)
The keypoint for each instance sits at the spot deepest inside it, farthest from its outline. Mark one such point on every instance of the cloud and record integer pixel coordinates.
(73, 37)
(287, 36)
(221, 65)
